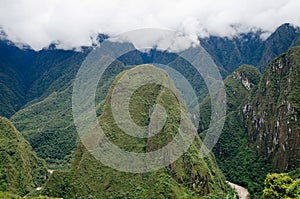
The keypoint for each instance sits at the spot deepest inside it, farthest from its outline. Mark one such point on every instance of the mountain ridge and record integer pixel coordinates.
(43, 72)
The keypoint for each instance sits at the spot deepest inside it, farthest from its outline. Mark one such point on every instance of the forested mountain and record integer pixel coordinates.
(28, 75)
(188, 176)
(21, 170)
(234, 154)
(250, 48)
(46, 77)
(272, 115)
(261, 132)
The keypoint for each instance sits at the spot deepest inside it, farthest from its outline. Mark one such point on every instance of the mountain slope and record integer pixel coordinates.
(20, 168)
(273, 114)
(48, 124)
(187, 177)
(28, 75)
(235, 157)
(12, 81)
(261, 132)
(280, 41)
(249, 48)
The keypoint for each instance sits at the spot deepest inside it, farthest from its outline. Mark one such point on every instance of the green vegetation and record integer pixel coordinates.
(235, 157)
(260, 134)
(48, 124)
(12, 93)
(21, 170)
(249, 48)
(7, 195)
(282, 186)
(188, 177)
(26, 75)
(272, 116)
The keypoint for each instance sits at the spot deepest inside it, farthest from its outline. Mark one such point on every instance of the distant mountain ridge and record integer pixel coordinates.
(28, 75)
(249, 48)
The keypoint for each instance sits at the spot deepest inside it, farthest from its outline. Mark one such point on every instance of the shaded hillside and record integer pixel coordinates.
(48, 125)
(187, 177)
(235, 157)
(28, 75)
(21, 169)
(261, 132)
(249, 48)
(280, 41)
(272, 116)
(12, 81)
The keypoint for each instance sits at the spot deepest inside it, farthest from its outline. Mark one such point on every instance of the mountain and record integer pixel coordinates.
(21, 170)
(250, 48)
(187, 177)
(261, 131)
(280, 41)
(272, 116)
(234, 154)
(28, 75)
(48, 124)
(43, 86)
(12, 81)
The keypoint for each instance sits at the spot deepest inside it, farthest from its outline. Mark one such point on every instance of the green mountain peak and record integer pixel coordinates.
(187, 177)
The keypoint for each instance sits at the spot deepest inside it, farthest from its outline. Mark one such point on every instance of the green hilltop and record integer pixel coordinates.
(187, 177)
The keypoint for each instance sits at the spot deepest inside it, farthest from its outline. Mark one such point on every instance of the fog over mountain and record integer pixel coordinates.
(74, 23)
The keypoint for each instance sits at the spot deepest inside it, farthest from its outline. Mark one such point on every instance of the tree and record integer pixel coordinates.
(281, 186)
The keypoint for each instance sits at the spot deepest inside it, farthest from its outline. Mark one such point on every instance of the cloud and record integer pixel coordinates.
(75, 22)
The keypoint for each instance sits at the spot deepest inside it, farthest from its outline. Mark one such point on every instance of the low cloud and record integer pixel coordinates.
(75, 23)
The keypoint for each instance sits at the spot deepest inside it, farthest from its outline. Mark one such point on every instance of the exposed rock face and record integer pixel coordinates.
(261, 130)
(272, 116)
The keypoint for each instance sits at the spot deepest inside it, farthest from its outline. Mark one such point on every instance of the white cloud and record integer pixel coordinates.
(73, 22)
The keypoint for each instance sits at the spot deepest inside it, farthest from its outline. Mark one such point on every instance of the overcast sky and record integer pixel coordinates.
(73, 22)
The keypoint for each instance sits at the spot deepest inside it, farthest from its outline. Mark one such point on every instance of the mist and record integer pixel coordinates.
(75, 23)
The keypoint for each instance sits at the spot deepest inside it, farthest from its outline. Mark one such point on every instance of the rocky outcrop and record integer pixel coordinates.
(272, 116)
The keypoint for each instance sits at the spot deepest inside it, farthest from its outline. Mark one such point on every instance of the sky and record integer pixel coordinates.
(75, 23)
